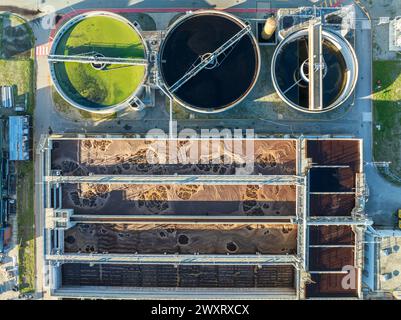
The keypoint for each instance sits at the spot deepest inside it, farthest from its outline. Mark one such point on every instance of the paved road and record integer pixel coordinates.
(383, 196)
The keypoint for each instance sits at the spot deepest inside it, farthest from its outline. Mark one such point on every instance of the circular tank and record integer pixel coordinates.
(225, 81)
(290, 70)
(98, 87)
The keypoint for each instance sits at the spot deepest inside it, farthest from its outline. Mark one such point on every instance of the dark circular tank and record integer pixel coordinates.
(290, 70)
(223, 82)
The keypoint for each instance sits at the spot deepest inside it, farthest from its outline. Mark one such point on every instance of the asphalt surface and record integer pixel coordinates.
(383, 199)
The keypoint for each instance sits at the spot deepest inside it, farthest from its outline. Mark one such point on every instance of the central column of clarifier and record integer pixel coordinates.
(98, 66)
(304, 70)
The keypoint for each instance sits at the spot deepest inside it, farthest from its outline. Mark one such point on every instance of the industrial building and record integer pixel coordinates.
(4, 226)
(121, 226)
(381, 274)
(7, 97)
(395, 34)
(19, 138)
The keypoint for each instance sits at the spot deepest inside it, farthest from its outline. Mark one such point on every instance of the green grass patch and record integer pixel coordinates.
(115, 83)
(20, 74)
(26, 229)
(16, 37)
(387, 114)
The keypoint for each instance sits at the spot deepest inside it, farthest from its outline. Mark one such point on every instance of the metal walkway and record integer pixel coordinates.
(348, 221)
(174, 293)
(172, 179)
(316, 65)
(93, 59)
(180, 219)
(198, 259)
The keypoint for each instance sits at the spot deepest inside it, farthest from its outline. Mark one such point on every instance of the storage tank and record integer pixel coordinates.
(98, 62)
(194, 75)
(290, 70)
(269, 28)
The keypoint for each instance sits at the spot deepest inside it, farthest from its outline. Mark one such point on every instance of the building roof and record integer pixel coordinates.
(18, 140)
(395, 34)
(389, 268)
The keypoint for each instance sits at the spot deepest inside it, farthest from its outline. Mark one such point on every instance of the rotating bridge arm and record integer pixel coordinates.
(93, 59)
(316, 65)
(195, 69)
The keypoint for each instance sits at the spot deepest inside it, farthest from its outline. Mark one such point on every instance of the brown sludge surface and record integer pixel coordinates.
(330, 285)
(180, 199)
(81, 157)
(331, 204)
(331, 235)
(183, 239)
(335, 152)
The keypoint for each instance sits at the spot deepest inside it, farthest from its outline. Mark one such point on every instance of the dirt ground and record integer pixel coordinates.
(184, 239)
(269, 157)
(180, 199)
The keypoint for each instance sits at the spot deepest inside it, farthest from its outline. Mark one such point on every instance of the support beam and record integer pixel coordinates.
(330, 166)
(328, 272)
(337, 221)
(180, 219)
(332, 246)
(105, 292)
(334, 193)
(187, 179)
(198, 259)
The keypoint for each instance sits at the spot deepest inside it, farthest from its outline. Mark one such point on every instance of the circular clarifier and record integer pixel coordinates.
(290, 70)
(98, 87)
(224, 81)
